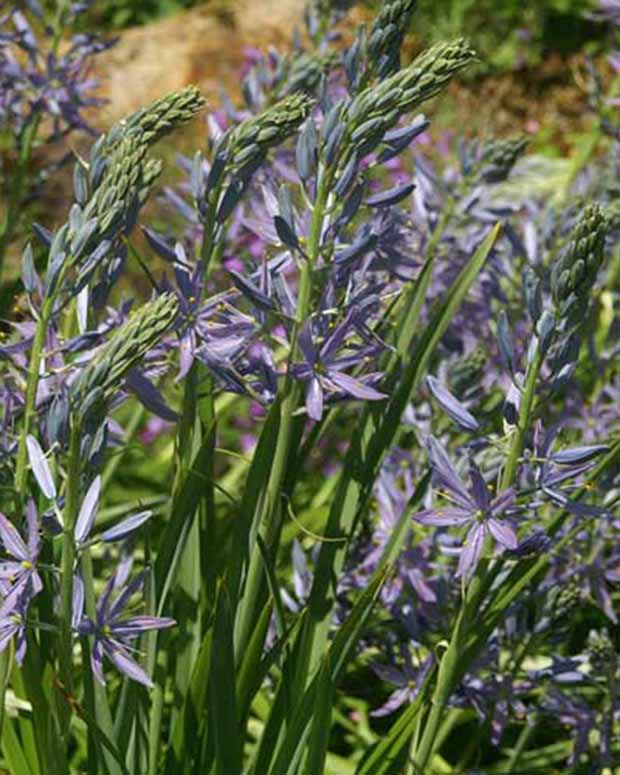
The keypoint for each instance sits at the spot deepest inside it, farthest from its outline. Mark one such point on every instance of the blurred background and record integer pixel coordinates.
(532, 54)
(534, 77)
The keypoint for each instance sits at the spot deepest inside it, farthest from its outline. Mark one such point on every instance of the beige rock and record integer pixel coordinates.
(203, 45)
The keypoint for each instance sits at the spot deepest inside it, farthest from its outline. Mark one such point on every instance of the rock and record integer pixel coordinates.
(204, 45)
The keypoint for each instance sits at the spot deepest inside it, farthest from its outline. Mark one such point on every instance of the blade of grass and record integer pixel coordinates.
(223, 718)
(321, 722)
(12, 750)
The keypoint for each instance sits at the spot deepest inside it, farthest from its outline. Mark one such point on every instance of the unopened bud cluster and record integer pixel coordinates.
(104, 375)
(377, 109)
(156, 120)
(567, 601)
(499, 157)
(601, 651)
(386, 35)
(248, 144)
(305, 71)
(574, 272)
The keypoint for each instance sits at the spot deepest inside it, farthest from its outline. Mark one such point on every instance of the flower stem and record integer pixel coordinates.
(451, 667)
(524, 421)
(32, 384)
(101, 709)
(72, 499)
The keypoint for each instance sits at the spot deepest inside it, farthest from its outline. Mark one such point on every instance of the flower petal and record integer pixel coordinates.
(88, 510)
(12, 540)
(40, 468)
(471, 551)
(447, 474)
(503, 533)
(354, 387)
(452, 406)
(127, 666)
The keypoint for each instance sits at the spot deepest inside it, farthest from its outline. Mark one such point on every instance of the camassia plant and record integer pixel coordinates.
(338, 496)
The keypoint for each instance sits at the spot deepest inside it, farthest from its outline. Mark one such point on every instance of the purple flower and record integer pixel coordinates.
(21, 571)
(472, 507)
(324, 372)
(13, 622)
(114, 633)
(407, 679)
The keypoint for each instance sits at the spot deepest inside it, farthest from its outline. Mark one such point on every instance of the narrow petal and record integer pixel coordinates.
(443, 517)
(503, 533)
(306, 343)
(127, 666)
(88, 510)
(353, 387)
(40, 468)
(576, 455)
(121, 601)
(12, 540)
(448, 475)
(77, 606)
(394, 701)
(452, 406)
(502, 502)
(96, 661)
(471, 551)
(136, 625)
(314, 399)
(126, 527)
(479, 487)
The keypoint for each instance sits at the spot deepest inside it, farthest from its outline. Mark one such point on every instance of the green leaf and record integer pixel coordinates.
(223, 718)
(321, 722)
(12, 750)
(342, 648)
(185, 738)
(256, 482)
(385, 757)
(184, 505)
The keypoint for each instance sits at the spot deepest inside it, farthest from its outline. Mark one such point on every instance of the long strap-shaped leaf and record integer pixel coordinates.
(384, 757)
(223, 718)
(292, 743)
(182, 513)
(335, 659)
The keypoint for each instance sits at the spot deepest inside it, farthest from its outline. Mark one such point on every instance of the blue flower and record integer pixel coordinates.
(472, 507)
(113, 631)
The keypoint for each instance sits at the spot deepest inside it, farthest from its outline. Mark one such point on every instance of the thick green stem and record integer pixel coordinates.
(72, 502)
(524, 420)
(100, 709)
(34, 367)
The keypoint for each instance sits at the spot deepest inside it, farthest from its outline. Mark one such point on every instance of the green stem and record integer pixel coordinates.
(451, 668)
(72, 502)
(32, 384)
(522, 741)
(100, 709)
(523, 423)
(155, 722)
